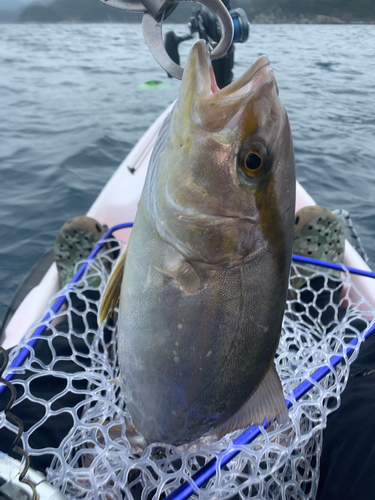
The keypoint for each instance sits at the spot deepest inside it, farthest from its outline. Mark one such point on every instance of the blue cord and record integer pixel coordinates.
(330, 265)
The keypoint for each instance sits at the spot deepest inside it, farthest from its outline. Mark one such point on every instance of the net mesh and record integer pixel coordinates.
(68, 379)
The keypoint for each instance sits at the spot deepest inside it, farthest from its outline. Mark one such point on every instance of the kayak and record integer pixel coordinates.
(92, 463)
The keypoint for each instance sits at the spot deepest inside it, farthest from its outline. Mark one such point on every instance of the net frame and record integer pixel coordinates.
(96, 460)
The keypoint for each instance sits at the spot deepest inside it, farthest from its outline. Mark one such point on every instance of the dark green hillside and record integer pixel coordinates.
(84, 11)
(344, 9)
(91, 11)
(357, 8)
(257, 10)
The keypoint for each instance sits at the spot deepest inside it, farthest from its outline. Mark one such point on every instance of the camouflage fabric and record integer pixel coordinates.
(74, 242)
(318, 234)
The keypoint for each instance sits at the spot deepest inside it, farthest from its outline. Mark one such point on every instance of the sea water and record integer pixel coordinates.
(71, 109)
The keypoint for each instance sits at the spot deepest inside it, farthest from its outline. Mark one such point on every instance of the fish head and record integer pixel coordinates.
(225, 185)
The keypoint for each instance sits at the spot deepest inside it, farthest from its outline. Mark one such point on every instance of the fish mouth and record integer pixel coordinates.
(219, 109)
(248, 82)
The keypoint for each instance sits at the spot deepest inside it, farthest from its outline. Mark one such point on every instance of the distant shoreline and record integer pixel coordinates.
(331, 12)
(318, 19)
(290, 22)
(44, 15)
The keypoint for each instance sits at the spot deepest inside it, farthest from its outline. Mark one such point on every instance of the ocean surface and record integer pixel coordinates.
(71, 110)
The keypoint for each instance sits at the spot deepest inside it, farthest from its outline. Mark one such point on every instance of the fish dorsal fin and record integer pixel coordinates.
(112, 289)
(184, 274)
(267, 401)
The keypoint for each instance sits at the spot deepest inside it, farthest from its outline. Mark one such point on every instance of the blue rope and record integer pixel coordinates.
(330, 265)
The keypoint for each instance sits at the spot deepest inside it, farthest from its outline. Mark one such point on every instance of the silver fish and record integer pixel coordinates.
(205, 275)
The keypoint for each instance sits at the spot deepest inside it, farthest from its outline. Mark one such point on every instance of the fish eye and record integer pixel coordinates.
(253, 160)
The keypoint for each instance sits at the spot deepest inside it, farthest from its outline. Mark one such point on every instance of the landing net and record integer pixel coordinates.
(76, 363)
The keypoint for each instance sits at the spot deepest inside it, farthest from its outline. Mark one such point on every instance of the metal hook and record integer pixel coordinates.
(152, 32)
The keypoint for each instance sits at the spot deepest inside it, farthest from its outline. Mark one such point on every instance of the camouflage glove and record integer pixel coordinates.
(318, 234)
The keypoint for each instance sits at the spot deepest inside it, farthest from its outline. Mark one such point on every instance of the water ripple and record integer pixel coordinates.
(71, 110)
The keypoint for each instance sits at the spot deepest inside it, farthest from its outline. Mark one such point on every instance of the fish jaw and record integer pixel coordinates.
(202, 102)
(203, 205)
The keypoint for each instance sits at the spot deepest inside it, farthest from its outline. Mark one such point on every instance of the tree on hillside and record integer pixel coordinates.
(355, 8)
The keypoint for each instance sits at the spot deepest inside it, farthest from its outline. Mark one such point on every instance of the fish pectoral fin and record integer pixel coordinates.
(184, 274)
(267, 401)
(112, 289)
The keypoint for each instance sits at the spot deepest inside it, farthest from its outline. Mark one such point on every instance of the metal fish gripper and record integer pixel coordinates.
(156, 11)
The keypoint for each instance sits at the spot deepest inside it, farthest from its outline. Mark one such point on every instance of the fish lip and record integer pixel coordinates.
(239, 87)
(206, 74)
(216, 110)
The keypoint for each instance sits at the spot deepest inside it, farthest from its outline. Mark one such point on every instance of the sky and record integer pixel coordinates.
(17, 4)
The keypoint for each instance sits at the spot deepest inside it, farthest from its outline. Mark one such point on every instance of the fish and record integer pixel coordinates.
(203, 282)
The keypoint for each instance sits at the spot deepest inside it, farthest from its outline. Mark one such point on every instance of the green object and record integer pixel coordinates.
(74, 243)
(318, 234)
(153, 85)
